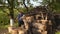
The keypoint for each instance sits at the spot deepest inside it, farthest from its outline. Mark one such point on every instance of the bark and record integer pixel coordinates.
(11, 12)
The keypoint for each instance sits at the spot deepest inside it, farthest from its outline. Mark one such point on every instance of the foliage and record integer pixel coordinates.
(53, 4)
(4, 20)
(58, 32)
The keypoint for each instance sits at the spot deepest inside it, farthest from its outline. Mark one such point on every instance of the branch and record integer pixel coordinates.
(9, 2)
(25, 5)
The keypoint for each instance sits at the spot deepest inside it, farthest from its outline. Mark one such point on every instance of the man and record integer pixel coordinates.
(20, 20)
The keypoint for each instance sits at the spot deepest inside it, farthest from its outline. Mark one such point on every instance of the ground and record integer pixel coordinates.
(3, 31)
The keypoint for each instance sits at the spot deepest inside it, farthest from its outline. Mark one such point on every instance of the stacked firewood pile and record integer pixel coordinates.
(36, 22)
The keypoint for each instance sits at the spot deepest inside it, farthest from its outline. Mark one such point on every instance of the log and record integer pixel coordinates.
(45, 32)
(37, 16)
(44, 21)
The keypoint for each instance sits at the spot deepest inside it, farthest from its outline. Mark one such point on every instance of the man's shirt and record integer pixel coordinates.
(19, 17)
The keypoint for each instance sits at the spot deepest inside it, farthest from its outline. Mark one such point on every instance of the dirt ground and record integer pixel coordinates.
(3, 31)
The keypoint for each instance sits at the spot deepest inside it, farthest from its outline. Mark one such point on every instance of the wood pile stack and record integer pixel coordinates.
(35, 23)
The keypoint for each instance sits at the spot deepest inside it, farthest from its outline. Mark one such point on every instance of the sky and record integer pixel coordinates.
(35, 3)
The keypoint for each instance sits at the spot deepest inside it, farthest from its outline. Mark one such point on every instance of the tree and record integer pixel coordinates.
(11, 4)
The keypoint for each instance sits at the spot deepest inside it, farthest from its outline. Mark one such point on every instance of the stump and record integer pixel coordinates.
(14, 31)
(21, 31)
(9, 29)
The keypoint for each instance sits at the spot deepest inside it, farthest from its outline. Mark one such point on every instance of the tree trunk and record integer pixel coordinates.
(11, 13)
(11, 16)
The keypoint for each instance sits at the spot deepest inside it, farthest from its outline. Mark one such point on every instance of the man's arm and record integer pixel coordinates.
(22, 17)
